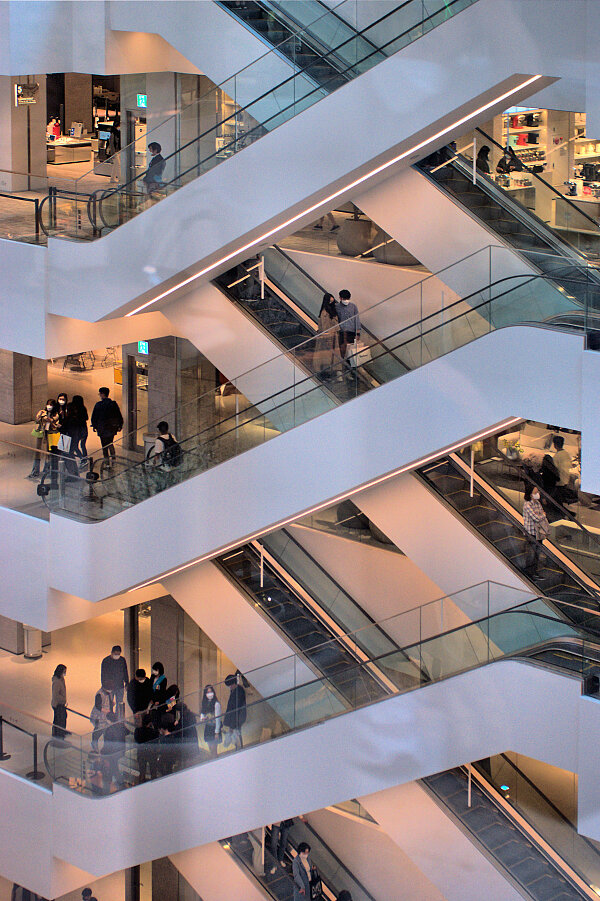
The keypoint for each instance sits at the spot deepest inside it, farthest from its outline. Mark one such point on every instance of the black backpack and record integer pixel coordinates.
(172, 454)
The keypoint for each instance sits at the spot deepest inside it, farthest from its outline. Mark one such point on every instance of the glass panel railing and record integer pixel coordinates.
(526, 211)
(526, 188)
(126, 478)
(522, 783)
(129, 755)
(497, 524)
(249, 112)
(510, 475)
(319, 585)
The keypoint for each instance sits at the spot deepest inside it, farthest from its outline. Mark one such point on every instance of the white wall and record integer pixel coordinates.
(215, 875)
(504, 705)
(283, 478)
(190, 229)
(115, 269)
(434, 538)
(441, 234)
(440, 404)
(373, 858)
(418, 294)
(400, 584)
(436, 845)
(236, 627)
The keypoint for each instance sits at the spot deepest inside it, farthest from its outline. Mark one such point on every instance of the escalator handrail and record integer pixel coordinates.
(522, 214)
(121, 188)
(339, 862)
(526, 651)
(313, 41)
(546, 184)
(374, 340)
(317, 386)
(587, 590)
(330, 578)
(551, 501)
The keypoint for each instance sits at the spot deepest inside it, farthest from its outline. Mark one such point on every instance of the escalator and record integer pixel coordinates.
(555, 577)
(546, 249)
(305, 35)
(564, 508)
(287, 307)
(346, 55)
(307, 393)
(314, 613)
(513, 850)
(335, 875)
(524, 630)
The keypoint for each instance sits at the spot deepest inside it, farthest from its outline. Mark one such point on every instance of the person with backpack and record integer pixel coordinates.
(166, 455)
(107, 420)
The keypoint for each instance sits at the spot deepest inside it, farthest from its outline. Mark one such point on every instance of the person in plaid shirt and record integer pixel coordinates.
(536, 526)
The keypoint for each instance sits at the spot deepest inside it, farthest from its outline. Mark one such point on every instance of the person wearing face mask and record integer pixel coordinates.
(536, 526)
(210, 715)
(62, 401)
(46, 425)
(114, 677)
(235, 715)
(349, 324)
(302, 872)
(159, 684)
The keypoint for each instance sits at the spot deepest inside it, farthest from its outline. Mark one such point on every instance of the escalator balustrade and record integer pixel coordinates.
(302, 626)
(553, 577)
(510, 847)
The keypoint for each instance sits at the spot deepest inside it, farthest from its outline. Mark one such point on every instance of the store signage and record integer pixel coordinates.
(26, 94)
(142, 100)
(142, 347)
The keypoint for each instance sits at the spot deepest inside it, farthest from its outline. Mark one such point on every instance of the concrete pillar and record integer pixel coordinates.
(78, 100)
(22, 137)
(23, 387)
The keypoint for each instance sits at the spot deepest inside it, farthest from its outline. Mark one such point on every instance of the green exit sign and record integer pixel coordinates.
(142, 100)
(142, 347)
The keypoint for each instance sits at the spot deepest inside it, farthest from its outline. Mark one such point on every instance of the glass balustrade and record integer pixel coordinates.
(293, 388)
(251, 112)
(300, 700)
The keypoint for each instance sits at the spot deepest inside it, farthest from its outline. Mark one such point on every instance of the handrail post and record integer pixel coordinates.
(3, 755)
(37, 219)
(35, 774)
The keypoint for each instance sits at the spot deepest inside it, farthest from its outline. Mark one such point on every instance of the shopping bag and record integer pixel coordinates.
(64, 443)
(53, 439)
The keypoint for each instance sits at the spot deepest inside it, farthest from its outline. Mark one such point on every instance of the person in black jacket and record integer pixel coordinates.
(113, 748)
(235, 715)
(81, 417)
(153, 178)
(114, 677)
(139, 693)
(107, 420)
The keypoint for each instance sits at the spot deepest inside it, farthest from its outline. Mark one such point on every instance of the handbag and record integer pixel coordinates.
(64, 443)
(37, 432)
(316, 886)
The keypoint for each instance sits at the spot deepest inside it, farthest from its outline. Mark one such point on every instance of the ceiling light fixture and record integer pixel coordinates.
(336, 194)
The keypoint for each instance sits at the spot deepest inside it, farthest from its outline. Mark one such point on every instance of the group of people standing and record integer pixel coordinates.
(60, 417)
(62, 427)
(337, 336)
(164, 728)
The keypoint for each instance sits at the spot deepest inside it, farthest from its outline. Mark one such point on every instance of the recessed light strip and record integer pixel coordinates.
(337, 193)
(340, 497)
